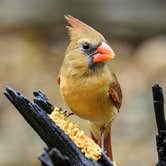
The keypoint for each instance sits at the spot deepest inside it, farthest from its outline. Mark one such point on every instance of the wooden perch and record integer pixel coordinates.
(158, 101)
(61, 149)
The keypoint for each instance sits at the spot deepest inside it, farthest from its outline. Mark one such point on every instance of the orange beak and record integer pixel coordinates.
(104, 53)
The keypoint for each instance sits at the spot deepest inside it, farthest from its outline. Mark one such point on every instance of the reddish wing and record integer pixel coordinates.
(115, 92)
(59, 78)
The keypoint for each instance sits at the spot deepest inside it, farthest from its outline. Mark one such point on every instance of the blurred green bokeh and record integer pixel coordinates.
(32, 44)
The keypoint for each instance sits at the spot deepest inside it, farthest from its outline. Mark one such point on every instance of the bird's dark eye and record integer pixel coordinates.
(85, 46)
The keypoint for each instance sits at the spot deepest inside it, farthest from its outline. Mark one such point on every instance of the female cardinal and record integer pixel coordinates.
(88, 87)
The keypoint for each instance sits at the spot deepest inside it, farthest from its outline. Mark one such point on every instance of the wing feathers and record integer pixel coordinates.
(115, 92)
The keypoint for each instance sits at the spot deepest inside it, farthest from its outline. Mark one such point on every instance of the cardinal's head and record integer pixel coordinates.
(88, 49)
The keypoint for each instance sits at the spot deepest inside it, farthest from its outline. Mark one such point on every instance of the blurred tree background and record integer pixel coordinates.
(32, 44)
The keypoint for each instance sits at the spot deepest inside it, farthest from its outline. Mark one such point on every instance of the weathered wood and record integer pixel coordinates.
(158, 101)
(60, 146)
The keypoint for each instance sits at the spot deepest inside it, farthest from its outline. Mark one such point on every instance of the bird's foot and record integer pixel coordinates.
(66, 112)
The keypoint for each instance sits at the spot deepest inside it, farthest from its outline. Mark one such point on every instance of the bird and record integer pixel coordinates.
(89, 88)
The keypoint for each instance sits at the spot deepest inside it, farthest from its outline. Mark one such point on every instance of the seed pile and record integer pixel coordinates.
(90, 149)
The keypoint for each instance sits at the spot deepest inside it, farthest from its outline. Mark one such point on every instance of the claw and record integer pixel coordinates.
(66, 112)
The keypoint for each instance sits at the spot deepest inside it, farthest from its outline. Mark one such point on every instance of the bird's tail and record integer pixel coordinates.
(99, 134)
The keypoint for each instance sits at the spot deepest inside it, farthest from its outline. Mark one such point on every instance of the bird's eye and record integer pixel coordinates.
(85, 46)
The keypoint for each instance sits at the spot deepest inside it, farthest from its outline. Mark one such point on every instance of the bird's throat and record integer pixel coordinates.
(95, 66)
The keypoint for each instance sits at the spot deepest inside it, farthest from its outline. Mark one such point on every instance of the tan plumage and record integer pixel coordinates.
(88, 87)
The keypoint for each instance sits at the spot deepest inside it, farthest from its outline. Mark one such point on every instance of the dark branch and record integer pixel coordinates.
(53, 157)
(60, 147)
(158, 100)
